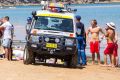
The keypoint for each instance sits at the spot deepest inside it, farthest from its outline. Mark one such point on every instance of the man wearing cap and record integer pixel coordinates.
(94, 40)
(81, 41)
(7, 37)
(110, 37)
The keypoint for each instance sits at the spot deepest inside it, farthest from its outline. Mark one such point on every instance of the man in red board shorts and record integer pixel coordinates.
(94, 41)
(110, 37)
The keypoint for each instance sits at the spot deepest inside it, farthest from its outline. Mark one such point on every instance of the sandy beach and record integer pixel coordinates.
(16, 70)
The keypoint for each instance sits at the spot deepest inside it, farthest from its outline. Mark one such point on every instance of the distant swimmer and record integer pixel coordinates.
(94, 41)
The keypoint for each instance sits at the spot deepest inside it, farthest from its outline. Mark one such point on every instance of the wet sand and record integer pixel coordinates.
(16, 70)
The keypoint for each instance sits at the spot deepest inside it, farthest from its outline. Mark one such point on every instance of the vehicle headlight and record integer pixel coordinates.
(69, 42)
(46, 39)
(34, 38)
(57, 40)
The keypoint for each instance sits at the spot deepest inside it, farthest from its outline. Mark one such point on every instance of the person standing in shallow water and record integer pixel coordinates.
(94, 41)
(7, 37)
(81, 41)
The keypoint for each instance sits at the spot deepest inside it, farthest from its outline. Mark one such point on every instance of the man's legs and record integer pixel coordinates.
(79, 55)
(10, 51)
(6, 53)
(93, 58)
(92, 50)
(115, 54)
(97, 49)
(83, 55)
(79, 49)
(116, 61)
(106, 52)
(98, 58)
(112, 60)
(10, 54)
(105, 59)
(7, 47)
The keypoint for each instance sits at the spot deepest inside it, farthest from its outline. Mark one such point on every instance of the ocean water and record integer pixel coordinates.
(103, 13)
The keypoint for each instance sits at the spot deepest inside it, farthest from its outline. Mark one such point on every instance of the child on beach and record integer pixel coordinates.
(94, 41)
(111, 45)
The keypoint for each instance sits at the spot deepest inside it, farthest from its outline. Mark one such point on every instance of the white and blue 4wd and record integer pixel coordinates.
(51, 33)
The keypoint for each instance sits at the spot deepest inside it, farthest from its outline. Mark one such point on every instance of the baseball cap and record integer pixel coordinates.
(78, 17)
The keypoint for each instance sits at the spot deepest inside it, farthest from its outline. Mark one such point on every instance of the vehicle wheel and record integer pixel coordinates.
(28, 57)
(68, 61)
(72, 60)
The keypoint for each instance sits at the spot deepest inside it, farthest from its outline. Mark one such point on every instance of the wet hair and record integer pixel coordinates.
(6, 18)
(94, 21)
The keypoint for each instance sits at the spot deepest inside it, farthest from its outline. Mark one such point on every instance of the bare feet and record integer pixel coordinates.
(99, 64)
(5, 59)
(116, 65)
(93, 62)
(110, 65)
(105, 65)
(113, 66)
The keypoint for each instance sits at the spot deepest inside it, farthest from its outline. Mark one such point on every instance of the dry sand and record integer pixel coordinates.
(16, 70)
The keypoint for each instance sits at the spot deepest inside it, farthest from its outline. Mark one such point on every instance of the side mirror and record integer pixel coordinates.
(34, 15)
(29, 20)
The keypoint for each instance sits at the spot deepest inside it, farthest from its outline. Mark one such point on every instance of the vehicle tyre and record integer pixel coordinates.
(68, 61)
(28, 57)
(72, 60)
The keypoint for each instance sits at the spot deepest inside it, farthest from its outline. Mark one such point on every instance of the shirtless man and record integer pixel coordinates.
(94, 41)
(110, 37)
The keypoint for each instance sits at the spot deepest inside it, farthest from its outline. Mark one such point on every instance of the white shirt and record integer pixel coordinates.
(7, 32)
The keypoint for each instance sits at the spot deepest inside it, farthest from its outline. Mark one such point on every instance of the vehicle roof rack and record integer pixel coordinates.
(58, 7)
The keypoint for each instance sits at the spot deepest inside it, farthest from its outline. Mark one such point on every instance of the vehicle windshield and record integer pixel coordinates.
(53, 23)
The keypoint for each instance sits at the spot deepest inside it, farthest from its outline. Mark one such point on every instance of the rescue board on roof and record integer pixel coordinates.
(55, 10)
